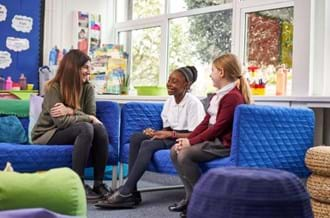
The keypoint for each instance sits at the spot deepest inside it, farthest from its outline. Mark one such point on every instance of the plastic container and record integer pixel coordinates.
(22, 82)
(281, 81)
(53, 56)
(151, 90)
(9, 83)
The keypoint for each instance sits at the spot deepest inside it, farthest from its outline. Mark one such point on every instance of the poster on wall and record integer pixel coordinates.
(87, 31)
(83, 26)
(21, 36)
(95, 32)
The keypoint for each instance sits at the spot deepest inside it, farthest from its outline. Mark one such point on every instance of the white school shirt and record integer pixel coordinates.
(215, 101)
(183, 116)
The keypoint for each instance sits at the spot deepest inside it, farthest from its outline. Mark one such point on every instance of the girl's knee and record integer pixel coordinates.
(183, 156)
(137, 138)
(146, 145)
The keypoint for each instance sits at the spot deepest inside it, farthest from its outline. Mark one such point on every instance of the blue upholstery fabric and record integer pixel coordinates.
(263, 136)
(272, 137)
(135, 117)
(31, 158)
(109, 113)
(11, 130)
(235, 192)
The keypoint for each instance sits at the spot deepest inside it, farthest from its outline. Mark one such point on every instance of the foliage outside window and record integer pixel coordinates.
(195, 38)
(184, 5)
(268, 51)
(145, 56)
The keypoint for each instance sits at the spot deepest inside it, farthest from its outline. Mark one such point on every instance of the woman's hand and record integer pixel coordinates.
(59, 109)
(94, 120)
(180, 144)
(162, 134)
(149, 132)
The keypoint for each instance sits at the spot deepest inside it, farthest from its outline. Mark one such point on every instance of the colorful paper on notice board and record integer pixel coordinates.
(20, 37)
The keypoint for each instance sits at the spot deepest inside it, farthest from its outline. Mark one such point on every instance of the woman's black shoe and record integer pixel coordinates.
(178, 207)
(117, 200)
(137, 197)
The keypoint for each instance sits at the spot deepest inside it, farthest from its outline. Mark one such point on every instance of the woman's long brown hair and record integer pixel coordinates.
(69, 78)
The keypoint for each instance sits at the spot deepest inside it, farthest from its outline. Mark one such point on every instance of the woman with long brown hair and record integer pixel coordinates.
(68, 117)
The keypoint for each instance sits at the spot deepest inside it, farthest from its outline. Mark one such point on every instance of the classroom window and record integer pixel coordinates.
(194, 32)
(196, 40)
(145, 55)
(184, 5)
(137, 9)
(268, 50)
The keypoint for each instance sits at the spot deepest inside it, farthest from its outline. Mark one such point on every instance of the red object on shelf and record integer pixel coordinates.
(253, 68)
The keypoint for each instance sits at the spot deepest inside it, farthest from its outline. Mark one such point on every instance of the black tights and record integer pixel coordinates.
(87, 139)
(140, 153)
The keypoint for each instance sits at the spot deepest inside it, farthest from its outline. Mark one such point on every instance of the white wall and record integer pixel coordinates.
(58, 28)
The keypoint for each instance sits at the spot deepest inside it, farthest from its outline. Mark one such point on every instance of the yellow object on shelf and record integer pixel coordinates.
(258, 91)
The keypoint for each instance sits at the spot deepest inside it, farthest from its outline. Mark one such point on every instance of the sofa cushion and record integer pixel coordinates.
(42, 190)
(11, 130)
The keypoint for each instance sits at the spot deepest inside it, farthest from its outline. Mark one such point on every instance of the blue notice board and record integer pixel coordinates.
(21, 37)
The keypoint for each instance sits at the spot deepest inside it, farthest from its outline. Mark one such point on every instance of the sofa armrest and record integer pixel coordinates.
(109, 114)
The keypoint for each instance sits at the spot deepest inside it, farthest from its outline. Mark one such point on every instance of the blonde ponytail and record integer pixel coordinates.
(245, 90)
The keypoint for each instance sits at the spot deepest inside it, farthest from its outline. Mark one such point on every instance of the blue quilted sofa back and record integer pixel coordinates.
(271, 137)
(31, 158)
(135, 117)
(263, 136)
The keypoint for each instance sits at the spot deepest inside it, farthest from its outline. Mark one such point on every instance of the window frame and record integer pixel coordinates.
(301, 72)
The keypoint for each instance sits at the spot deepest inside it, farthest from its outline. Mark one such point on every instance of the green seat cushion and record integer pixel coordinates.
(59, 190)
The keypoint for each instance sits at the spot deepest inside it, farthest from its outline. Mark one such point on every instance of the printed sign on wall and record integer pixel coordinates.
(20, 39)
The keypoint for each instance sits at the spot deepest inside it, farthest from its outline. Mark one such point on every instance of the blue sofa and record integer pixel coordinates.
(31, 158)
(263, 136)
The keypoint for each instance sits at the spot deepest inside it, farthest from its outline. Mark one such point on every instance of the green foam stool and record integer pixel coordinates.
(59, 190)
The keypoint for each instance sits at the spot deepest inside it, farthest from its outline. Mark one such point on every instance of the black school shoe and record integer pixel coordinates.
(178, 207)
(91, 196)
(183, 214)
(137, 197)
(117, 200)
(102, 190)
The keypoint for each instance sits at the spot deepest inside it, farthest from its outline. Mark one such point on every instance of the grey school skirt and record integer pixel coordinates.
(215, 147)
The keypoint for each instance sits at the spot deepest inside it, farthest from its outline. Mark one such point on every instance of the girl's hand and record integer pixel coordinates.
(181, 143)
(94, 120)
(162, 134)
(149, 132)
(59, 109)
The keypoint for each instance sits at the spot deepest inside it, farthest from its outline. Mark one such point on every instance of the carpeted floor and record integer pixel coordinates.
(154, 203)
